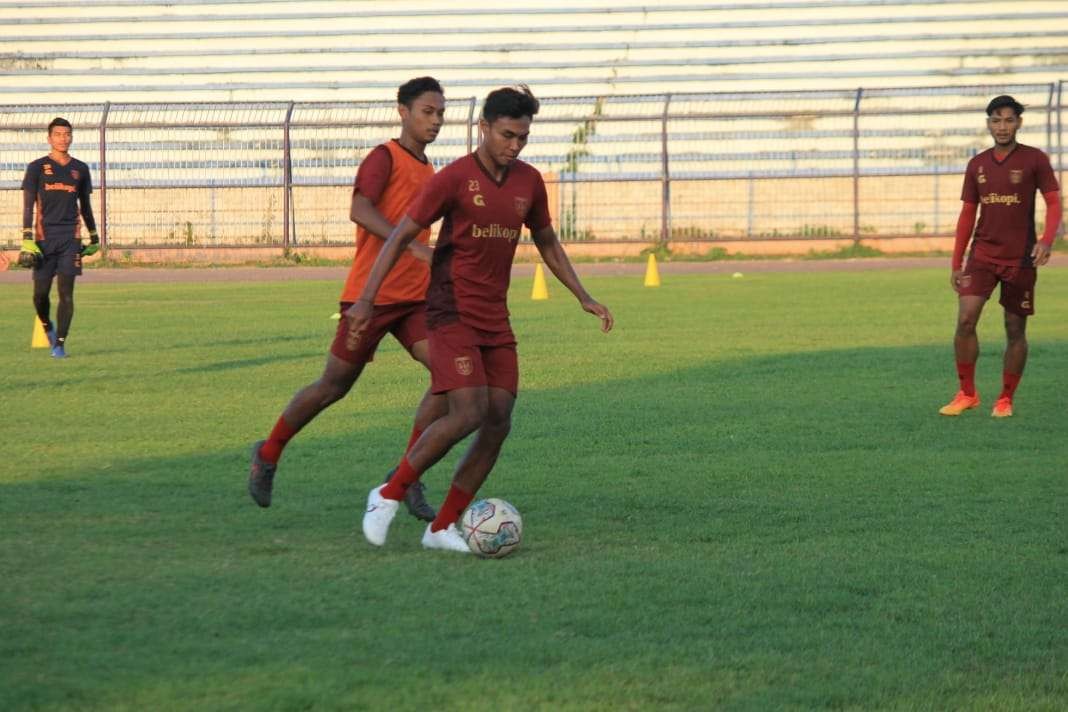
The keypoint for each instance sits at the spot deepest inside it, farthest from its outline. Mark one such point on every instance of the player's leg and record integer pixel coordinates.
(966, 350)
(479, 459)
(64, 312)
(431, 407)
(337, 380)
(1017, 297)
(68, 265)
(974, 288)
(1015, 360)
(501, 365)
(467, 408)
(456, 369)
(470, 410)
(42, 304)
(343, 367)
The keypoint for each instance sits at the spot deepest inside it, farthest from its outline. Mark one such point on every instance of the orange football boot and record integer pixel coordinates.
(1003, 408)
(960, 403)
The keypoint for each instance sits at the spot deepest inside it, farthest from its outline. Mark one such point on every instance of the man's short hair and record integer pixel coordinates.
(1001, 101)
(513, 102)
(414, 88)
(59, 122)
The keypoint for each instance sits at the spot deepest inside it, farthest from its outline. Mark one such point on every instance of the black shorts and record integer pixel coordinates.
(59, 256)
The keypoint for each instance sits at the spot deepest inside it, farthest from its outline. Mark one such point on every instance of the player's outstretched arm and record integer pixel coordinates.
(359, 314)
(365, 214)
(552, 253)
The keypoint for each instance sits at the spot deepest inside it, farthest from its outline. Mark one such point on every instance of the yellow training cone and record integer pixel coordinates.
(40, 338)
(652, 274)
(541, 290)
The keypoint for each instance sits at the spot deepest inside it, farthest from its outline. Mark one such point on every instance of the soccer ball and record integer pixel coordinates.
(492, 528)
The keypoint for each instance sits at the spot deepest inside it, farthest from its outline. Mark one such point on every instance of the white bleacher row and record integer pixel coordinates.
(175, 50)
(757, 99)
(711, 135)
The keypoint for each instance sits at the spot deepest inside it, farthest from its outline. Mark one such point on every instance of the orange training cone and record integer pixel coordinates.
(541, 290)
(652, 273)
(40, 338)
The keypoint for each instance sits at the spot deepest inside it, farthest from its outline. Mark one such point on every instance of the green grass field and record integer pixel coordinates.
(741, 499)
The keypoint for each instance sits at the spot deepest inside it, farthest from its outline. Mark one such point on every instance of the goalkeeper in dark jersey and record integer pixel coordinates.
(54, 190)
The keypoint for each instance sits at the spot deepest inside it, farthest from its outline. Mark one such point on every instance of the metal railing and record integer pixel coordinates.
(878, 163)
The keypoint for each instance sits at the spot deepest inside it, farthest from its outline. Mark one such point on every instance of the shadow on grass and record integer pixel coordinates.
(799, 530)
(236, 364)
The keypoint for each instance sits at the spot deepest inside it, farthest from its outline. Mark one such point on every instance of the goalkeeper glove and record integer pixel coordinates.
(94, 244)
(29, 254)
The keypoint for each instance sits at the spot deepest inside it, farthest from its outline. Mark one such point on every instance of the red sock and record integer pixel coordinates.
(966, 374)
(455, 504)
(276, 441)
(1009, 381)
(416, 432)
(401, 480)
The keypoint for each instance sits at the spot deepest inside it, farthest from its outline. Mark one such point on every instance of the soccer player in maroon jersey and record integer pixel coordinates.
(388, 180)
(485, 199)
(55, 189)
(1004, 180)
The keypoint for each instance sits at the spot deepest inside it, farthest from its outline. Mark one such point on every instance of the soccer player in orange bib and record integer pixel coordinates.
(1004, 251)
(485, 198)
(389, 178)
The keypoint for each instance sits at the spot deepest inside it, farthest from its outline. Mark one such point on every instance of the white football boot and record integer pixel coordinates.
(448, 538)
(379, 514)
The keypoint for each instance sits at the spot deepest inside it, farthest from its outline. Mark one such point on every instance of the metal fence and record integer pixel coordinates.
(878, 163)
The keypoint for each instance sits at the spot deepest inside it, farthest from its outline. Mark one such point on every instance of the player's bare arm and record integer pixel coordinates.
(359, 314)
(364, 213)
(552, 252)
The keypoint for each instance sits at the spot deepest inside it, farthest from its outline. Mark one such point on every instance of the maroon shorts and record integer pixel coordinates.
(462, 356)
(406, 321)
(1017, 284)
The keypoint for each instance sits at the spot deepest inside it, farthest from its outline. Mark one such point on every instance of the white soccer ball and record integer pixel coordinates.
(492, 528)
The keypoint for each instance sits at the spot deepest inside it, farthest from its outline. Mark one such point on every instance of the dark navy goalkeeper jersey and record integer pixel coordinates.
(54, 191)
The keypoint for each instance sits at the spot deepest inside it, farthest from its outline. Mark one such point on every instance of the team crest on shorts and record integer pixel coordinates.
(463, 365)
(522, 205)
(1016, 176)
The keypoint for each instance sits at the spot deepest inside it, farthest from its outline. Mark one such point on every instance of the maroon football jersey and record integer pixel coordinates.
(482, 222)
(1005, 190)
